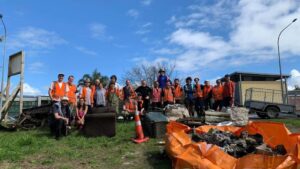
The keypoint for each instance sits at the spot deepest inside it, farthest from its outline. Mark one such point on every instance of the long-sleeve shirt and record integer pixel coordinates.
(228, 89)
(188, 91)
(144, 91)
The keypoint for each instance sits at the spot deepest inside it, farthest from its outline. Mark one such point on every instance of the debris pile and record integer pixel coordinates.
(238, 146)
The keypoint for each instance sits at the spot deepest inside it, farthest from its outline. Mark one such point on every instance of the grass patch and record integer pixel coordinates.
(36, 149)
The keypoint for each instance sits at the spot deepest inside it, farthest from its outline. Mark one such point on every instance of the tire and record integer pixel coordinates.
(262, 115)
(272, 112)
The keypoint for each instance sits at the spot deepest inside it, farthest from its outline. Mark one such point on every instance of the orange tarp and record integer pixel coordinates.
(186, 154)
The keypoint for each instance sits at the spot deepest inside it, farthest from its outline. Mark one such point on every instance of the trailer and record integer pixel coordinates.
(267, 103)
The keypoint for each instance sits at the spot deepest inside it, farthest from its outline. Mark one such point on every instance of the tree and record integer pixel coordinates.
(149, 72)
(95, 75)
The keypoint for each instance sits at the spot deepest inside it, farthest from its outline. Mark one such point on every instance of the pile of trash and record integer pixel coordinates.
(176, 111)
(238, 146)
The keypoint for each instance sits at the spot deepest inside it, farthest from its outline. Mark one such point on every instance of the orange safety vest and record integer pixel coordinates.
(177, 92)
(198, 93)
(217, 93)
(168, 95)
(130, 106)
(58, 92)
(228, 90)
(72, 93)
(206, 90)
(84, 92)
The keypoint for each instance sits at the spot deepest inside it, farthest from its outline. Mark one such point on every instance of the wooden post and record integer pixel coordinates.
(22, 83)
(7, 96)
(241, 91)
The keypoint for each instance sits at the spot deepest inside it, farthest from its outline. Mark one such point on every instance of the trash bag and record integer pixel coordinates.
(176, 111)
(187, 154)
(239, 116)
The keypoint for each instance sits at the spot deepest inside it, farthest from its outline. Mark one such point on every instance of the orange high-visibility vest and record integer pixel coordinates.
(130, 106)
(72, 93)
(177, 92)
(217, 93)
(198, 93)
(168, 95)
(228, 90)
(206, 90)
(84, 92)
(58, 92)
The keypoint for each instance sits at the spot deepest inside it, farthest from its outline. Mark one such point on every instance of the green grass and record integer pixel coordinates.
(292, 124)
(36, 149)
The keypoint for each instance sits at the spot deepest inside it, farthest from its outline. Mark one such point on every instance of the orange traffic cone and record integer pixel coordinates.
(140, 138)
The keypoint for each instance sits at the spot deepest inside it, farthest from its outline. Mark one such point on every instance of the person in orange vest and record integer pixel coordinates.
(168, 95)
(72, 93)
(189, 96)
(58, 89)
(228, 92)
(129, 107)
(128, 90)
(198, 95)
(177, 91)
(217, 93)
(156, 96)
(207, 95)
(88, 95)
(113, 96)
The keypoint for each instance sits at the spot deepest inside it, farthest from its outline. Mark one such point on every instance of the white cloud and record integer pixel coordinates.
(36, 67)
(32, 38)
(251, 30)
(192, 39)
(144, 29)
(86, 51)
(146, 2)
(167, 51)
(294, 79)
(97, 30)
(133, 13)
(32, 91)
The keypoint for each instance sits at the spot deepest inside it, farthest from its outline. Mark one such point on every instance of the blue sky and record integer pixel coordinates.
(205, 38)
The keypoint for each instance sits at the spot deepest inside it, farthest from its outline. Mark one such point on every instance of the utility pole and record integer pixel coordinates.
(279, 59)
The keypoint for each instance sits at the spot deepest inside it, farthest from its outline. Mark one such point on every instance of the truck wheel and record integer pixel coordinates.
(272, 112)
(262, 115)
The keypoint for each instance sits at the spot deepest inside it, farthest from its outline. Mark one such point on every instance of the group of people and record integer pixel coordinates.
(71, 104)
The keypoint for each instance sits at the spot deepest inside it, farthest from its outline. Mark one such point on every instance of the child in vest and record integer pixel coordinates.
(81, 111)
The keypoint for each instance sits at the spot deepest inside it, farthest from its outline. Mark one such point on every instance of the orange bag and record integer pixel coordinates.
(190, 155)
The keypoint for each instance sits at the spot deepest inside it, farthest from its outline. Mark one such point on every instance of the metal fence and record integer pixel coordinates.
(294, 99)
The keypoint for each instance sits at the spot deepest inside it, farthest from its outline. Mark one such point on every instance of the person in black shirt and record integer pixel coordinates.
(145, 91)
(60, 118)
